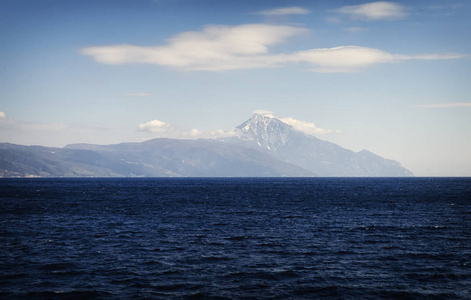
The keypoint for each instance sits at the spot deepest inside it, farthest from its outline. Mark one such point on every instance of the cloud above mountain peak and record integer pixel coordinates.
(305, 127)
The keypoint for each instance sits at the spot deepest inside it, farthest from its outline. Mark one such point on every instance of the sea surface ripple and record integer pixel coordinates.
(235, 238)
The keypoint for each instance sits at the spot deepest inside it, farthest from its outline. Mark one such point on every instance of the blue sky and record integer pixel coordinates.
(390, 77)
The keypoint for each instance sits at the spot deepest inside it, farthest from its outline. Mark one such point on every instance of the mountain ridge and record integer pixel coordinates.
(268, 134)
(262, 146)
(153, 158)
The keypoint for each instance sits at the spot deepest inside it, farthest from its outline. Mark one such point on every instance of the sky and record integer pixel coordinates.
(389, 77)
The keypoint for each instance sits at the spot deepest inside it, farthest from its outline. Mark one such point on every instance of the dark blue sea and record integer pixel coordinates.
(239, 238)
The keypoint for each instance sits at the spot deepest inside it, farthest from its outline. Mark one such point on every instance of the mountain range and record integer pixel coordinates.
(262, 146)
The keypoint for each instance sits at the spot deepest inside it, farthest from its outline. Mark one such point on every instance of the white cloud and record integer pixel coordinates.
(204, 134)
(138, 95)
(154, 126)
(221, 48)
(201, 134)
(195, 132)
(436, 56)
(2, 115)
(221, 133)
(303, 126)
(445, 105)
(283, 11)
(263, 113)
(380, 10)
(306, 127)
(215, 48)
(344, 59)
(61, 134)
(347, 59)
(159, 129)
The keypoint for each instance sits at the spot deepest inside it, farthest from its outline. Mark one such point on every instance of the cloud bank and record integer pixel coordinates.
(223, 48)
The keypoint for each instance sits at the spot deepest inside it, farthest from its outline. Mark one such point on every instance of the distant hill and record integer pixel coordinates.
(261, 147)
(154, 158)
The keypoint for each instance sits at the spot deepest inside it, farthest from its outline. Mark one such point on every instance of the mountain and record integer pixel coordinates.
(153, 158)
(260, 147)
(270, 135)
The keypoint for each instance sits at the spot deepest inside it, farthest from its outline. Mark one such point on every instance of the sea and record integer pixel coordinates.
(235, 238)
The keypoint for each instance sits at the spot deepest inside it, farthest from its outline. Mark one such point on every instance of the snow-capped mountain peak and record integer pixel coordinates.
(267, 134)
(266, 131)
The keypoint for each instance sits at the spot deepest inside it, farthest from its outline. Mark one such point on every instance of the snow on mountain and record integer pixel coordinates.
(267, 132)
(261, 146)
(282, 141)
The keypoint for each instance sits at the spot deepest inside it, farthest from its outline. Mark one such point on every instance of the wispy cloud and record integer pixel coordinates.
(263, 113)
(380, 10)
(306, 127)
(283, 11)
(58, 134)
(356, 29)
(453, 6)
(303, 126)
(344, 59)
(137, 95)
(348, 59)
(445, 105)
(444, 10)
(437, 56)
(222, 48)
